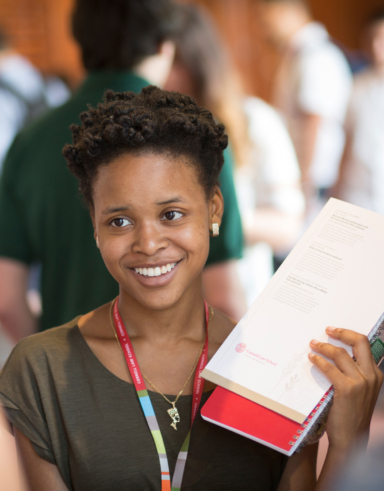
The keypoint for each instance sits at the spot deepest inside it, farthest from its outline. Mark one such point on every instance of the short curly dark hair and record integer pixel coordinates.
(154, 121)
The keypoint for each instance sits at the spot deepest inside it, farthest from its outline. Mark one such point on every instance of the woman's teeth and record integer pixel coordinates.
(156, 271)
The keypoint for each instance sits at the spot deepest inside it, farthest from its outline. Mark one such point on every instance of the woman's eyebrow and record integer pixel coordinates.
(117, 209)
(172, 200)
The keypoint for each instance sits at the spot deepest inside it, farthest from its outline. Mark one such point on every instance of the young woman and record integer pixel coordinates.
(106, 401)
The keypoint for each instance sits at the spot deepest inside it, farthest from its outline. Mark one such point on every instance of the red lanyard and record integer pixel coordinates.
(146, 404)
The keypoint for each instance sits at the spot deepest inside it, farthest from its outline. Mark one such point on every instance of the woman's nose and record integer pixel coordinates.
(149, 239)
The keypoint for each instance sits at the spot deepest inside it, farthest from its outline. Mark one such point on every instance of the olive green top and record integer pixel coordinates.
(88, 422)
(43, 218)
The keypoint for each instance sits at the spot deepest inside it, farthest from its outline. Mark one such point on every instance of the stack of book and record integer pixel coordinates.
(268, 390)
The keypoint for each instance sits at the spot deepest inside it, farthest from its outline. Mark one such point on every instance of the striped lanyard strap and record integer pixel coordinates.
(147, 407)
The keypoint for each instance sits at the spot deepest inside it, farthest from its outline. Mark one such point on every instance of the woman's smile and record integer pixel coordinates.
(155, 275)
(155, 270)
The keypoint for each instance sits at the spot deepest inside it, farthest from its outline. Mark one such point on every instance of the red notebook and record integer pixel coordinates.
(249, 419)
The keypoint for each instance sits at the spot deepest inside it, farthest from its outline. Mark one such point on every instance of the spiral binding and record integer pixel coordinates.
(376, 331)
(312, 426)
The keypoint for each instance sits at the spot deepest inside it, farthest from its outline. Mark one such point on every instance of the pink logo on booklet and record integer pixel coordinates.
(241, 347)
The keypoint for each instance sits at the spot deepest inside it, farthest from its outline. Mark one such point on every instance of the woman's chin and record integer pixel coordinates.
(157, 301)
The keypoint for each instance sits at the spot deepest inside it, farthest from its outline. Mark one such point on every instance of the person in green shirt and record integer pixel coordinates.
(126, 46)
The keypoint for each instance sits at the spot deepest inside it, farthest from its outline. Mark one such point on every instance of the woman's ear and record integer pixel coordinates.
(94, 224)
(96, 237)
(216, 207)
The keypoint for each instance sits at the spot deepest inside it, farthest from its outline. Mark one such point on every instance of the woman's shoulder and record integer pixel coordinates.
(51, 343)
(39, 362)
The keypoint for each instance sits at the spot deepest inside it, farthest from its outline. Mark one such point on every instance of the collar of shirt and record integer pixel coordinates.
(117, 80)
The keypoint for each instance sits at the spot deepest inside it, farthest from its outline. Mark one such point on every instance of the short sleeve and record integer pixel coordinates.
(325, 83)
(229, 244)
(21, 396)
(14, 243)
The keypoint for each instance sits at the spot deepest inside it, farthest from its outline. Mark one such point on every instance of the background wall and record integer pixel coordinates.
(40, 30)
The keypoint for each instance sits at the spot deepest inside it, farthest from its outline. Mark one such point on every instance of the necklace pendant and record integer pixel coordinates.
(174, 414)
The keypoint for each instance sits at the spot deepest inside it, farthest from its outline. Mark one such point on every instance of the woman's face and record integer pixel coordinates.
(152, 219)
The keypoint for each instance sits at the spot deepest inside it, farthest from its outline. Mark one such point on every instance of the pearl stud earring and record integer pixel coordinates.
(97, 243)
(215, 230)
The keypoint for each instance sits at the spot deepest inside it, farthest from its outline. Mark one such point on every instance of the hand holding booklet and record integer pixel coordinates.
(268, 389)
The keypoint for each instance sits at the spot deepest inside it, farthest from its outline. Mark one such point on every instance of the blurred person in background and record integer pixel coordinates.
(312, 90)
(267, 173)
(22, 94)
(363, 471)
(361, 179)
(125, 46)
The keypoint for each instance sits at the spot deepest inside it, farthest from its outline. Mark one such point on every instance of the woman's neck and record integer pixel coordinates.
(185, 319)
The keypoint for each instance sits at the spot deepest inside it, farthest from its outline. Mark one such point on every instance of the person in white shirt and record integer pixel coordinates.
(361, 179)
(312, 90)
(21, 94)
(24, 94)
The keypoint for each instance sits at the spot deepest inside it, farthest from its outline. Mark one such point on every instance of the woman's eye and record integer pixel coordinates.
(172, 215)
(120, 222)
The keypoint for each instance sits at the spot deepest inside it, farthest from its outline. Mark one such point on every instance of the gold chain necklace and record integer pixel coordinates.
(173, 412)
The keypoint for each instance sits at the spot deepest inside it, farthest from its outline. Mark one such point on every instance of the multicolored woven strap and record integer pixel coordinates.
(147, 407)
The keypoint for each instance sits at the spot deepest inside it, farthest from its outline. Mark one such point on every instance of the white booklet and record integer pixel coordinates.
(333, 277)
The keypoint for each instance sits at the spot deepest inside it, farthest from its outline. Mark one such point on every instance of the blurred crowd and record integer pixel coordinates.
(322, 136)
